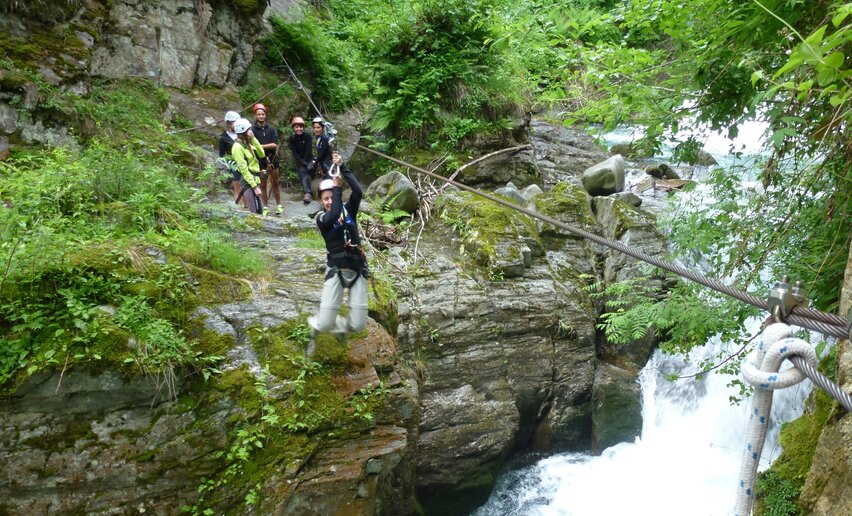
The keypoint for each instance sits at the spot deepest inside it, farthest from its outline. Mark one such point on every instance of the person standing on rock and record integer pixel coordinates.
(323, 145)
(346, 262)
(247, 154)
(226, 141)
(269, 165)
(302, 149)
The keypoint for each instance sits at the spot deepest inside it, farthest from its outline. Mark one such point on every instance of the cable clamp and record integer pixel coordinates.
(782, 299)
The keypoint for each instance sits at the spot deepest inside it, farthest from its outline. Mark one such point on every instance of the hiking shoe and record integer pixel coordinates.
(265, 212)
(307, 198)
(279, 210)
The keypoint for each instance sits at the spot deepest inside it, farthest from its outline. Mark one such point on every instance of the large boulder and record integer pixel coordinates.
(605, 178)
(394, 191)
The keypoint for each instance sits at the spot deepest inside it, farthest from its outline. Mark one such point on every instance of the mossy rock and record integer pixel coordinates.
(217, 288)
(566, 203)
(494, 236)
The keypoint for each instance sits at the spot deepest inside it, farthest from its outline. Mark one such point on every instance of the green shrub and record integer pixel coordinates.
(333, 65)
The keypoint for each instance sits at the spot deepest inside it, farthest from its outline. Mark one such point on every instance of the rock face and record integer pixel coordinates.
(509, 363)
(179, 43)
(605, 178)
(827, 490)
(111, 440)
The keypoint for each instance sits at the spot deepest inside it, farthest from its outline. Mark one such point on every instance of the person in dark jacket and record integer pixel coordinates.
(323, 146)
(267, 135)
(301, 147)
(226, 141)
(345, 260)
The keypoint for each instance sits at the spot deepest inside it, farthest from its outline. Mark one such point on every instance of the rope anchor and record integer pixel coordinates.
(782, 299)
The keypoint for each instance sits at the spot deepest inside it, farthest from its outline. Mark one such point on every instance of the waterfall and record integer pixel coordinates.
(686, 460)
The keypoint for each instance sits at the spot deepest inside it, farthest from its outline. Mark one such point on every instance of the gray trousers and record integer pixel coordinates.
(330, 301)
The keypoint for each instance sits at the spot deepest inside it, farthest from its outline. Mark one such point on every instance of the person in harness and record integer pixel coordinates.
(303, 154)
(247, 153)
(346, 262)
(323, 145)
(226, 141)
(267, 135)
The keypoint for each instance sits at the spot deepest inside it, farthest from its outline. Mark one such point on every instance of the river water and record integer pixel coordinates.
(687, 458)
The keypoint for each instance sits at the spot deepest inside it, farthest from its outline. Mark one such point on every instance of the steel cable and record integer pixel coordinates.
(822, 381)
(809, 318)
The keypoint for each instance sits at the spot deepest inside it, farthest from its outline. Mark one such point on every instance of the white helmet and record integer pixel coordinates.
(325, 184)
(232, 116)
(318, 120)
(241, 126)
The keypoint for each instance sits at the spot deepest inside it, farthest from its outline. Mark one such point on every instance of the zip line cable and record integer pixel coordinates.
(828, 324)
(809, 318)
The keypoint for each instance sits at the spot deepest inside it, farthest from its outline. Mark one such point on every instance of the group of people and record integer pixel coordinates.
(254, 152)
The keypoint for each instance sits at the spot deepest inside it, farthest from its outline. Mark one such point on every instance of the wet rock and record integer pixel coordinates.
(530, 192)
(628, 197)
(606, 177)
(181, 43)
(661, 171)
(616, 407)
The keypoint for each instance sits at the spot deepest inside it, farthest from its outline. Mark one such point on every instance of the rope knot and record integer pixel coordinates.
(776, 344)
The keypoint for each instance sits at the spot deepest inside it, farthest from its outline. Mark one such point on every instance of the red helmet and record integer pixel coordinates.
(297, 120)
(258, 106)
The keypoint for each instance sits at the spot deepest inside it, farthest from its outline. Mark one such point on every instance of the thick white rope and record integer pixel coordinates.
(761, 370)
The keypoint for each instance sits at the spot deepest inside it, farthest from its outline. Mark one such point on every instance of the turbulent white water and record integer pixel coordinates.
(686, 461)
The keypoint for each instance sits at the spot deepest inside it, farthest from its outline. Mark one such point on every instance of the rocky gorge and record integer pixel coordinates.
(482, 343)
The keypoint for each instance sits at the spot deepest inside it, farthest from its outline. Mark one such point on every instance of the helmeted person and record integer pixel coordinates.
(303, 154)
(247, 154)
(226, 141)
(271, 162)
(346, 262)
(323, 147)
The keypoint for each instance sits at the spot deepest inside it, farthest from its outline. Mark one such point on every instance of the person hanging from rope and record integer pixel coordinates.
(247, 154)
(346, 262)
(303, 154)
(323, 145)
(269, 165)
(226, 141)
